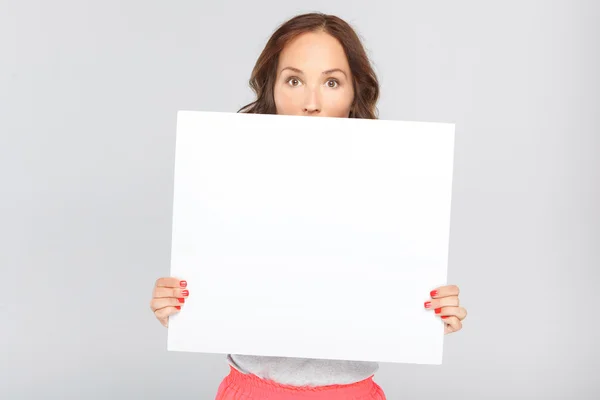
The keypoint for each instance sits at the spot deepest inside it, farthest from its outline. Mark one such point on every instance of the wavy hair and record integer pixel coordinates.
(264, 73)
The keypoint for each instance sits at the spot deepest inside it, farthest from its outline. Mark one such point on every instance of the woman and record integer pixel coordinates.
(313, 65)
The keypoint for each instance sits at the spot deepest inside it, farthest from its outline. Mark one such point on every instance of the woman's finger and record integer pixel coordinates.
(170, 292)
(158, 303)
(453, 324)
(170, 282)
(445, 291)
(451, 301)
(458, 312)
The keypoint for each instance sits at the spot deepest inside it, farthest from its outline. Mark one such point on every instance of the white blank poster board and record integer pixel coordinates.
(310, 237)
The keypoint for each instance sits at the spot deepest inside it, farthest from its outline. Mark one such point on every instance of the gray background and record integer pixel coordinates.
(88, 99)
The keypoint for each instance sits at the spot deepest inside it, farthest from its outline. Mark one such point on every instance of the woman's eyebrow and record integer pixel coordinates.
(296, 70)
(329, 71)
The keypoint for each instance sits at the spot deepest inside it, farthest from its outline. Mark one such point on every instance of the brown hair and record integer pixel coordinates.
(366, 84)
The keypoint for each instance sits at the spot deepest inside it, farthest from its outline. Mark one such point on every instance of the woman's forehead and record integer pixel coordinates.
(314, 49)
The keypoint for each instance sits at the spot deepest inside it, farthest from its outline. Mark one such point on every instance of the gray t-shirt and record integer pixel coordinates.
(303, 371)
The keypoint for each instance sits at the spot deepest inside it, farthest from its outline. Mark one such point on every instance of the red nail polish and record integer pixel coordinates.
(178, 307)
(183, 283)
(433, 293)
(185, 293)
(438, 310)
(181, 300)
(427, 304)
(444, 316)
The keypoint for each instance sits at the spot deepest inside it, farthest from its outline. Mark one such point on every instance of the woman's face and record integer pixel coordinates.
(313, 78)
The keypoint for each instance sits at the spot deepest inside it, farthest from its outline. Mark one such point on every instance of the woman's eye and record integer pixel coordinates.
(293, 81)
(332, 83)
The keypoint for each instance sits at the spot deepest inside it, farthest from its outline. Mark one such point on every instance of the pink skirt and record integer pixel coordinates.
(239, 386)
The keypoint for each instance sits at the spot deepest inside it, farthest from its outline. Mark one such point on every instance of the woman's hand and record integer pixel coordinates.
(167, 298)
(444, 300)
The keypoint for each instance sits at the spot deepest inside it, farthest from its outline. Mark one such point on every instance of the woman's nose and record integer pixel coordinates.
(312, 102)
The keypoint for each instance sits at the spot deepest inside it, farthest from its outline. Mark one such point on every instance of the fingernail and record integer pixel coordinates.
(433, 293)
(178, 307)
(438, 310)
(183, 283)
(444, 316)
(185, 293)
(181, 300)
(427, 304)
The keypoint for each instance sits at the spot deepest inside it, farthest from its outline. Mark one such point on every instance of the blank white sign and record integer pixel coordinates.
(310, 237)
